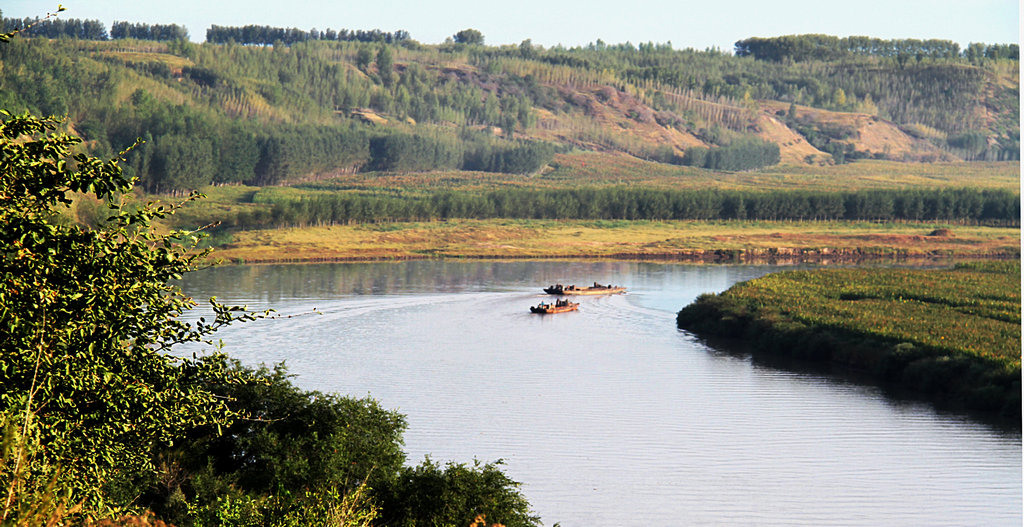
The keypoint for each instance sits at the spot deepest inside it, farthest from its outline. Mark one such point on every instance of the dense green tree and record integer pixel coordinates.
(972, 143)
(237, 154)
(409, 153)
(148, 32)
(181, 163)
(456, 494)
(469, 36)
(521, 157)
(966, 205)
(826, 47)
(695, 156)
(57, 28)
(386, 66)
(526, 49)
(303, 450)
(292, 440)
(267, 35)
(363, 57)
(86, 316)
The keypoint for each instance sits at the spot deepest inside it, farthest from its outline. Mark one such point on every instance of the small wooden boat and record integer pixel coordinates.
(596, 289)
(560, 306)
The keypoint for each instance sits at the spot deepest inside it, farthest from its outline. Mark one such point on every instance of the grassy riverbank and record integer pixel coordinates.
(953, 334)
(686, 240)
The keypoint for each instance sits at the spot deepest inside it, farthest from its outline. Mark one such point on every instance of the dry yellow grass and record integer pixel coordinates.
(620, 239)
(173, 61)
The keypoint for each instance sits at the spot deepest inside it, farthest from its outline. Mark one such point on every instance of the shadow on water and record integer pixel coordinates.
(894, 395)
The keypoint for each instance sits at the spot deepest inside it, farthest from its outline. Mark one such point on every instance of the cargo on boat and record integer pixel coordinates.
(596, 289)
(560, 306)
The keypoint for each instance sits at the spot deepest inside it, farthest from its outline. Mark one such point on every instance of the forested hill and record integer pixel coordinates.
(267, 105)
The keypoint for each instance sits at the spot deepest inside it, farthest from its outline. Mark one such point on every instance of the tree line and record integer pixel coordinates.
(56, 28)
(801, 48)
(268, 35)
(189, 153)
(75, 28)
(142, 31)
(420, 153)
(624, 203)
(744, 154)
(249, 35)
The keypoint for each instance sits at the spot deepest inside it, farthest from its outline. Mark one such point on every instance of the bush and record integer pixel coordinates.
(308, 458)
(455, 495)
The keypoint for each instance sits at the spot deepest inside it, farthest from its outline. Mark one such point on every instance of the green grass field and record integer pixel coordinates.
(953, 333)
(589, 169)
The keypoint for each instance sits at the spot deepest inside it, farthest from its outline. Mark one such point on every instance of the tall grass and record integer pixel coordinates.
(954, 334)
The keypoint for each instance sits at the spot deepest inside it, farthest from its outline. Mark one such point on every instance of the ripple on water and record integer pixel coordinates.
(611, 416)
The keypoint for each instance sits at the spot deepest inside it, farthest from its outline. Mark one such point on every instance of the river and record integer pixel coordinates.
(610, 416)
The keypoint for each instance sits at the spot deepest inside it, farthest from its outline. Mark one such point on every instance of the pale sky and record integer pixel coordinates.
(686, 24)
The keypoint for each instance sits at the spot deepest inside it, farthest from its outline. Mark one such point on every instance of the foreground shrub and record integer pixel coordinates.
(309, 458)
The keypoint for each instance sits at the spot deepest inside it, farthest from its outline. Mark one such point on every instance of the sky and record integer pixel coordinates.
(686, 24)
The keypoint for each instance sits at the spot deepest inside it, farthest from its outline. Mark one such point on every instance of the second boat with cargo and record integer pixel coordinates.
(596, 289)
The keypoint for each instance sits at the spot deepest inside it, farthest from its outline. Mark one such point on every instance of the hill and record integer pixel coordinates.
(247, 112)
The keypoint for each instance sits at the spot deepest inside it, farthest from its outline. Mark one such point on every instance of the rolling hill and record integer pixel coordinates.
(249, 112)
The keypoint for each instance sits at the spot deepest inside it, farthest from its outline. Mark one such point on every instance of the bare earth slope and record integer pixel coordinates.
(866, 133)
(793, 148)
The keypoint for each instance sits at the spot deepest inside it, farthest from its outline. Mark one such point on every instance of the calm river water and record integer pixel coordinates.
(610, 416)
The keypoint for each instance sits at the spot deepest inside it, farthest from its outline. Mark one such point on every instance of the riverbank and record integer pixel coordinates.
(697, 241)
(953, 335)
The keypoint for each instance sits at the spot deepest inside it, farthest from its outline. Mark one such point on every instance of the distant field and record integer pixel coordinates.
(602, 169)
(588, 238)
(595, 170)
(608, 169)
(619, 239)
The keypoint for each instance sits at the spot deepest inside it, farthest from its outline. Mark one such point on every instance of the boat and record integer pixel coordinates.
(560, 306)
(596, 289)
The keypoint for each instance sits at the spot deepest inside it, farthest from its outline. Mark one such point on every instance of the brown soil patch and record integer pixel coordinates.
(866, 133)
(793, 148)
(605, 118)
